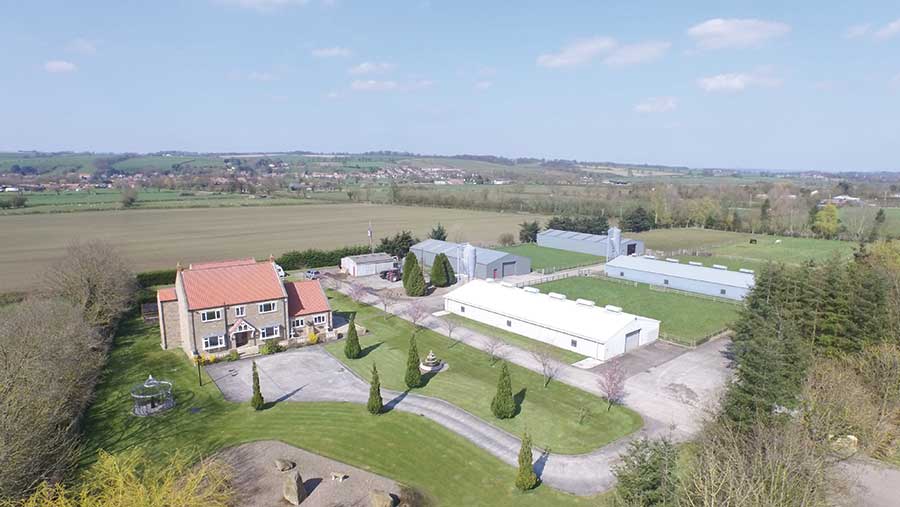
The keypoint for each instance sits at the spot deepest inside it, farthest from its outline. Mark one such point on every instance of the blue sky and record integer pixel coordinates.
(745, 84)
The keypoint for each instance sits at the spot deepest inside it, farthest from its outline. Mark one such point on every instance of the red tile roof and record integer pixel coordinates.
(306, 297)
(222, 264)
(167, 294)
(231, 284)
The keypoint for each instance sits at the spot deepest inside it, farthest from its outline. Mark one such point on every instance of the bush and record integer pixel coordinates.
(507, 239)
(233, 355)
(159, 277)
(526, 478)
(270, 347)
(311, 337)
(314, 258)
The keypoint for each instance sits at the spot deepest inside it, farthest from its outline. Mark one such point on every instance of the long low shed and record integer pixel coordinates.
(367, 264)
(579, 326)
(593, 244)
(487, 263)
(687, 277)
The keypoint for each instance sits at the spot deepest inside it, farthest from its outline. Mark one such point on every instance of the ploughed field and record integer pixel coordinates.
(158, 238)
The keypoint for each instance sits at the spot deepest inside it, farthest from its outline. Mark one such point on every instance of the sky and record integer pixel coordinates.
(738, 84)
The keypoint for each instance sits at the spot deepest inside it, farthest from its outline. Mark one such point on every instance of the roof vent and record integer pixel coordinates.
(719, 266)
(489, 280)
(649, 256)
(507, 284)
(585, 302)
(613, 308)
(532, 290)
(556, 295)
(676, 261)
(745, 270)
(695, 263)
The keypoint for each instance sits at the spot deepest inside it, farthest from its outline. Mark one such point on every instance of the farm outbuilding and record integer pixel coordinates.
(712, 281)
(610, 246)
(367, 264)
(580, 326)
(471, 261)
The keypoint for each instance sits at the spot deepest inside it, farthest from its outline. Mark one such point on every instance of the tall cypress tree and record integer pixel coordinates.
(503, 405)
(415, 283)
(257, 401)
(409, 264)
(526, 478)
(375, 405)
(413, 374)
(352, 350)
(448, 270)
(439, 271)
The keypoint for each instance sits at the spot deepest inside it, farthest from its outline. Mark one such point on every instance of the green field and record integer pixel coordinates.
(404, 447)
(159, 238)
(549, 414)
(517, 340)
(550, 259)
(891, 225)
(691, 238)
(684, 318)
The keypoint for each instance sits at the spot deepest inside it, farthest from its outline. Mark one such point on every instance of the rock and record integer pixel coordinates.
(379, 498)
(284, 464)
(844, 446)
(293, 488)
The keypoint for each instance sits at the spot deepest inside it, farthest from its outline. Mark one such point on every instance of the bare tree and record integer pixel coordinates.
(495, 348)
(328, 281)
(859, 221)
(417, 313)
(612, 382)
(451, 326)
(357, 292)
(549, 366)
(386, 299)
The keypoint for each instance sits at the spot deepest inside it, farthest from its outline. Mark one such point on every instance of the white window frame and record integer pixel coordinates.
(573, 343)
(220, 339)
(722, 292)
(217, 312)
(298, 322)
(264, 336)
(240, 311)
(319, 319)
(274, 304)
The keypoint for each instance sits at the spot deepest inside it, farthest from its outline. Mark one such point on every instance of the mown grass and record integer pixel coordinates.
(549, 414)
(550, 258)
(563, 355)
(684, 318)
(404, 447)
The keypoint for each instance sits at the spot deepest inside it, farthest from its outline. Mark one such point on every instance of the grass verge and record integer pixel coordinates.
(565, 356)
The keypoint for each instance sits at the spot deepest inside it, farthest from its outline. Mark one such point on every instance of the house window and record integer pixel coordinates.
(574, 343)
(270, 332)
(298, 322)
(508, 323)
(621, 273)
(269, 307)
(722, 291)
(665, 282)
(210, 315)
(240, 311)
(462, 309)
(213, 342)
(319, 319)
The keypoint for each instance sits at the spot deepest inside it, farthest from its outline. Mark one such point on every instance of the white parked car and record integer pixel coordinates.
(279, 271)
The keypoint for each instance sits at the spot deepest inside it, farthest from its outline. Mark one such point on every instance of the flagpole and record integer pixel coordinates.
(371, 245)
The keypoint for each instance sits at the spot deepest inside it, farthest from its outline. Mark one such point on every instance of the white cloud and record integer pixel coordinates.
(373, 85)
(857, 31)
(738, 82)
(81, 46)
(419, 84)
(483, 85)
(736, 33)
(261, 76)
(371, 67)
(637, 53)
(264, 5)
(333, 52)
(60, 66)
(333, 95)
(656, 105)
(889, 30)
(577, 53)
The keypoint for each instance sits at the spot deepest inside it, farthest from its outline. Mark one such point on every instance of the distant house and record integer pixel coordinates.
(216, 307)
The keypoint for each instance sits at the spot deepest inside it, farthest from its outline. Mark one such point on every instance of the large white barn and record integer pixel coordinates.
(692, 277)
(579, 325)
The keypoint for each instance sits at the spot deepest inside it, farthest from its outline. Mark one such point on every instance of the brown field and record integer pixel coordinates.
(158, 238)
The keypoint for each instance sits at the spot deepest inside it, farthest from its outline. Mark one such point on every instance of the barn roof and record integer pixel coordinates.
(678, 270)
(577, 236)
(578, 318)
(372, 258)
(436, 246)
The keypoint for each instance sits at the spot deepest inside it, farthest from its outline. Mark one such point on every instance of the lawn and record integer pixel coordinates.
(550, 414)
(550, 259)
(404, 447)
(788, 250)
(691, 238)
(563, 355)
(685, 318)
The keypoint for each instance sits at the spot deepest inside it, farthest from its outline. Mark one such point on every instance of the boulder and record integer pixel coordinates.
(379, 498)
(844, 446)
(293, 488)
(284, 464)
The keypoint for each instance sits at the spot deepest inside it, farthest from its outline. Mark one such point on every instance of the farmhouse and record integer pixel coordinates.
(579, 326)
(693, 277)
(367, 264)
(610, 246)
(471, 261)
(215, 307)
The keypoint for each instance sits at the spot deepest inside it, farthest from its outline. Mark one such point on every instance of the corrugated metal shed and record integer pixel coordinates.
(593, 244)
(488, 263)
(687, 271)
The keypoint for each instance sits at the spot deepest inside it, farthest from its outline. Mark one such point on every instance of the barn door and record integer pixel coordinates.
(632, 340)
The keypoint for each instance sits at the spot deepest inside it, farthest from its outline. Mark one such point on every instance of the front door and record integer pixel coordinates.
(241, 339)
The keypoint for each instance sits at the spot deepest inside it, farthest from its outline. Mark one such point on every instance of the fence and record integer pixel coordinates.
(553, 278)
(662, 288)
(692, 342)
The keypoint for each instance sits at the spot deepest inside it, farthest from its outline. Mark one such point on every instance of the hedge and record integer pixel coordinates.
(313, 258)
(160, 277)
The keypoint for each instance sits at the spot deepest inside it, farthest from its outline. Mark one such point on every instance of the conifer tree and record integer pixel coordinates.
(415, 283)
(439, 271)
(375, 404)
(257, 401)
(408, 262)
(448, 270)
(526, 479)
(413, 374)
(503, 405)
(352, 349)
